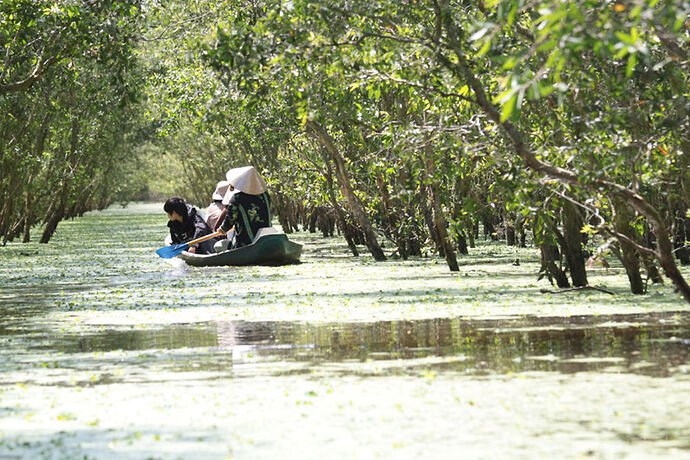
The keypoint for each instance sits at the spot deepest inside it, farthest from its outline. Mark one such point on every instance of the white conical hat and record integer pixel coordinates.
(245, 179)
(221, 190)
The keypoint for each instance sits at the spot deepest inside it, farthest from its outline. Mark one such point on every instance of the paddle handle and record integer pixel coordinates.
(205, 237)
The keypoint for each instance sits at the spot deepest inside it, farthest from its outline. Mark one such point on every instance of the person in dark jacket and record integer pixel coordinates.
(248, 206)
(186, 224)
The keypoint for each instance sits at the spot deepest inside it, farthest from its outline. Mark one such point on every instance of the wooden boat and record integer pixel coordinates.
(267, 249)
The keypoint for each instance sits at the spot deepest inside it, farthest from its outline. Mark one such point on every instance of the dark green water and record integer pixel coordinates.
(649, 344)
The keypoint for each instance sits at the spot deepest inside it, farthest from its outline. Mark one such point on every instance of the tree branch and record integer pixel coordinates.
(432, 89)
(177, 25)
(23, 85)
(578, 288)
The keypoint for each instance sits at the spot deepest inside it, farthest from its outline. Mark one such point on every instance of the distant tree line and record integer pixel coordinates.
(67, 96)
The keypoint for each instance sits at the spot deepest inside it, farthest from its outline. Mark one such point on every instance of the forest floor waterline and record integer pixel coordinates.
(107, 351)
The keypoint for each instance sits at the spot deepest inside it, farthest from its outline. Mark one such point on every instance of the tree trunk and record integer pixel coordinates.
(281, 210)
(340, 216)
(461, 242)
(28, 213)
(56, 212)
(8, 210)
(52, 223)
(622, 221)
(510, 235)
(440, 224)
(652, 270)
(360, 216)
(28, 216)
(429, 220)
(520, 231)
(549, 256)
(681, 236)
(487, 223)
(471, 226)
(572, 233)
(391, 221)
(439, 220)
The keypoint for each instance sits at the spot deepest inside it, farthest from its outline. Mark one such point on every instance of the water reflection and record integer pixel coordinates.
(654, 344)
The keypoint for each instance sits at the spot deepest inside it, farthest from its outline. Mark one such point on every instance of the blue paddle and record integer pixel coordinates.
(168, 252)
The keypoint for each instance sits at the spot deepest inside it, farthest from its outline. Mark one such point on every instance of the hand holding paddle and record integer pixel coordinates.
(168, 252)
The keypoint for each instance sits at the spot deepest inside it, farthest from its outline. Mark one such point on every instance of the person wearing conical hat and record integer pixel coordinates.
(215, 213)
(247, 204)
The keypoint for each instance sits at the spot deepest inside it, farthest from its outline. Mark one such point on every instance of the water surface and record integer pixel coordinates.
(107, 351)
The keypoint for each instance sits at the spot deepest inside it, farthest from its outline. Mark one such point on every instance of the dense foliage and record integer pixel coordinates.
(67, 94)
(404, 124)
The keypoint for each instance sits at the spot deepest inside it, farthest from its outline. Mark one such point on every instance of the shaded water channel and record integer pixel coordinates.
(116, 354)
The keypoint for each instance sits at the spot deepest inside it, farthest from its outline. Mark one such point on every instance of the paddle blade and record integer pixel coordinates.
(168, 252)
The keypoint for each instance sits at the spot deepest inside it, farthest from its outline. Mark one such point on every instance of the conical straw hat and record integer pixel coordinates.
(220, 191)
(245, 179)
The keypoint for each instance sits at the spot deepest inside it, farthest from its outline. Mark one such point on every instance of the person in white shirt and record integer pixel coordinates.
(215, 213)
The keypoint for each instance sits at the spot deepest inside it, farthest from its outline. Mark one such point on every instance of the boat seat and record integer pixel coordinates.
(265, 231)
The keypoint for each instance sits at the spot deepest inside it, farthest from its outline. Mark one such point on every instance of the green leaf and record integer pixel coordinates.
(546, 90)
(484, 49)
(508, 108)
(632, 60)
(625, 38)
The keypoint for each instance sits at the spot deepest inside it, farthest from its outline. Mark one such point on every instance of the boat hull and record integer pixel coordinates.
(275, 249)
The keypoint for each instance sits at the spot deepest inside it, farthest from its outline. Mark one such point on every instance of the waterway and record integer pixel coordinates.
(107, 351)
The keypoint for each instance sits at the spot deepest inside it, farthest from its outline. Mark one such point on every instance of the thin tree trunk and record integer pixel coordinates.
(622, 220)
(680, 236)
(572, 233)
(38, 152)
(428, 215)
(520, 231)
(470, 225)
(281, 210)
(461, 242)
(440, 221)
(549, 255)
(56, 211)
(340, 216)
(328, 143)
(391, 221)
(510, 234)
(28, 216)
(652, 270)
(52, 223)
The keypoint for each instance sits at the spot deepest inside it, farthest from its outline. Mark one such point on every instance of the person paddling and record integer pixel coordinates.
(247, 204)
(186, 224)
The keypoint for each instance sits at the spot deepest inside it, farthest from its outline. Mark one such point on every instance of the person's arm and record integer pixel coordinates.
(201, 228)
(220, 219)
(230, 218)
